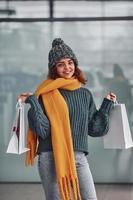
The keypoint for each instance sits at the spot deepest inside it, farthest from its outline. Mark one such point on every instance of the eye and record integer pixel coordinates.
(60, 65)
(71, 62)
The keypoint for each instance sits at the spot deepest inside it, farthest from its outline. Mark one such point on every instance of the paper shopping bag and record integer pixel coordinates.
(17, 141)
(119, 134)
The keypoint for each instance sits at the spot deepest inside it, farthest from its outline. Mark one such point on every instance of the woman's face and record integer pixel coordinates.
(65, 68)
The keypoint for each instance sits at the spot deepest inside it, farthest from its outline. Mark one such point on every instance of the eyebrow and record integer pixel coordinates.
(64, 61)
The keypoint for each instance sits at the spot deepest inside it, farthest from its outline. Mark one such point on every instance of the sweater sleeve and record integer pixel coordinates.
(37, 119)
(99, 119)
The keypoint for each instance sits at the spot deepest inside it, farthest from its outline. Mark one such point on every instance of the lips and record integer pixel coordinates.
(66, 72)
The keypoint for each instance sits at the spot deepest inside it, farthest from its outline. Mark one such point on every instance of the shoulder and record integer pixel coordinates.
(86, 91)
(86, 94)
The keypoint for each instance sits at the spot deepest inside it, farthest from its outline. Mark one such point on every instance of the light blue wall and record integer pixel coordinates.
(23, 64)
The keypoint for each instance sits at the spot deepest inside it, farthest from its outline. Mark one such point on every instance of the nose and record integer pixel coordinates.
(66, 66)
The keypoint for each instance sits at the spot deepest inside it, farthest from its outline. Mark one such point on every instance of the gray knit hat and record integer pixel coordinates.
(60, 50)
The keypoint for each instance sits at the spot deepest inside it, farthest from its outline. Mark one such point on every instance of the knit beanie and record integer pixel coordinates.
(58, 51)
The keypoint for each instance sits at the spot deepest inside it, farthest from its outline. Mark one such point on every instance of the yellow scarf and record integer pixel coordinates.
(58, 114)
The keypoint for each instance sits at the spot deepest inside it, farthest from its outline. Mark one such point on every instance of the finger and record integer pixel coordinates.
(112, 94)
(108, 96)
(26, 94)
(113, 99)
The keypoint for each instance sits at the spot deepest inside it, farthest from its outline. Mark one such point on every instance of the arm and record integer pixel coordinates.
(38, 121)
(99, 119)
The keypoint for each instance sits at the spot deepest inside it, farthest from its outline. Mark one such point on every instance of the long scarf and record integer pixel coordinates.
(58, 114)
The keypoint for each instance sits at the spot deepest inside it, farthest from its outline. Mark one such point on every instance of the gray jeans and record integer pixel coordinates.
(47, 173)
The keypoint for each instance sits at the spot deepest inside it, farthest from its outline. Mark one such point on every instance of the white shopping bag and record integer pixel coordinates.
(17, 141)
(119, 134)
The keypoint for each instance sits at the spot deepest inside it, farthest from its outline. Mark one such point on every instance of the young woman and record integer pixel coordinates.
(62, 115)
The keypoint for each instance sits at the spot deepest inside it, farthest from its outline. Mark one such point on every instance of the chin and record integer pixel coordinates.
(68, 77)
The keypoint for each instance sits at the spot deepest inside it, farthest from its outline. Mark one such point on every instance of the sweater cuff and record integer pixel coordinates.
(33, 101)
(107, 106)
(30, 99)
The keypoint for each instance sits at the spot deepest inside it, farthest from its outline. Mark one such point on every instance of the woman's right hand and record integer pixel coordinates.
(24, 96)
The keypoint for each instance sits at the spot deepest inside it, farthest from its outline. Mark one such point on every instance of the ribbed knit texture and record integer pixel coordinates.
(84, 119)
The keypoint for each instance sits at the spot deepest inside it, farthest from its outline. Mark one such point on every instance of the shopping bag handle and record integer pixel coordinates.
(116, 102)
(19, 103)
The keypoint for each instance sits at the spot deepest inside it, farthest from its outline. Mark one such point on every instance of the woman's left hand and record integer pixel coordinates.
(111, 96)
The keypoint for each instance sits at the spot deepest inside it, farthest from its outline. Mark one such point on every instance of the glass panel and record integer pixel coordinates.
(24, 9)
(23, 60)
(103, 49)
(92, 8)
(78, 9)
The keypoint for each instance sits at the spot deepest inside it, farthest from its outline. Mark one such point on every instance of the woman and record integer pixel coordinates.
(61, 116)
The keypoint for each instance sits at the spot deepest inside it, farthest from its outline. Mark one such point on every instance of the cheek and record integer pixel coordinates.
(73, 68)
(59, 70)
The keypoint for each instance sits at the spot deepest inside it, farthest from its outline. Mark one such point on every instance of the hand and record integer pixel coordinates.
(24, 96)
(111, 96)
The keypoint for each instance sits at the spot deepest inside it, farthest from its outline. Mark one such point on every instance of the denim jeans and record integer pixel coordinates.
(46, 167)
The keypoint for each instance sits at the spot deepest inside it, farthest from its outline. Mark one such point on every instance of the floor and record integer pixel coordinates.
(34, 191)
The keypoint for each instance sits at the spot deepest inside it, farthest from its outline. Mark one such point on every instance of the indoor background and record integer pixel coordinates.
(101, 35)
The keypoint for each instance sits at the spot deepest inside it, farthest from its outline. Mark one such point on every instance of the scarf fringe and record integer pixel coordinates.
(69, 189)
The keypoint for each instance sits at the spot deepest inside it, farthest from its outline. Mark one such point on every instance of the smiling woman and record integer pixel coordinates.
(61, 116)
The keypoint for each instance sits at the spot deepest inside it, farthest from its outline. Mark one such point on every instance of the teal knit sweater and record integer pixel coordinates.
(85, 119)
